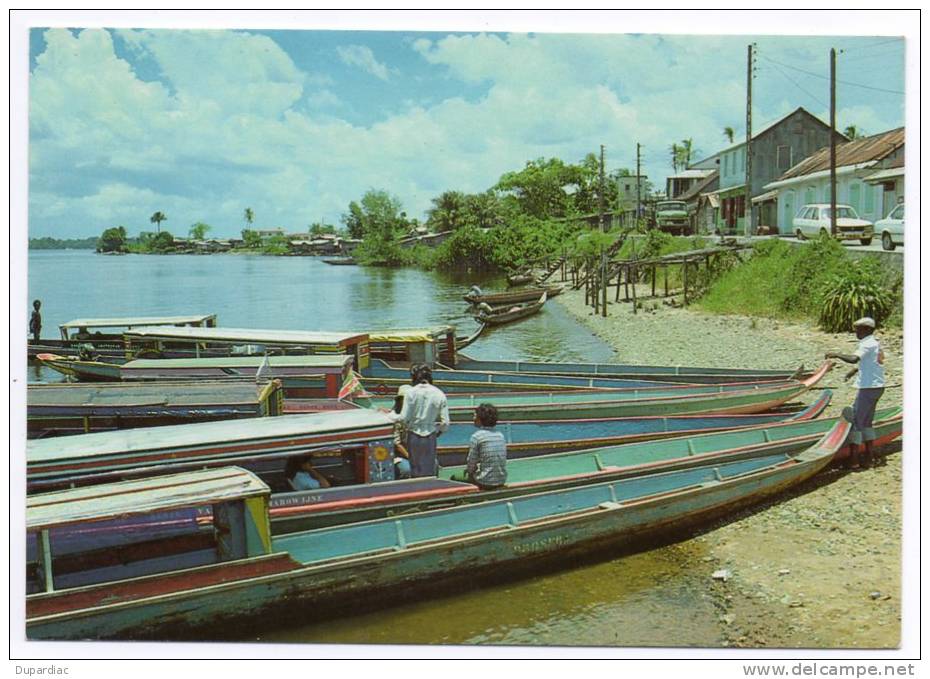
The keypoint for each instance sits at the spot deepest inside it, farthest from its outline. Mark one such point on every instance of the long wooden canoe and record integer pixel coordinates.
(262, 445)
(514, 296)
(302, 510)
(99, 333)
(530, 438)
(338, 564)
(679, 400)
(517, 279)
(688, 374)
(304, 377)
(98, 458)
(334, 506)
(53, 409)
(322, 376)
(508, 313)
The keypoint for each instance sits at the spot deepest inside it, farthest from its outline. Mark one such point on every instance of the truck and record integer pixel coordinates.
(672, 217)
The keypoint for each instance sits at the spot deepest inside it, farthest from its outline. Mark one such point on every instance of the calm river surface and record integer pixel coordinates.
(645, 599)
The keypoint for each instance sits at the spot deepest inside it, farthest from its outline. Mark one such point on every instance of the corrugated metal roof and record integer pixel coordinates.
(127, 498)
(128, 321)
(221, 433)
(882, 175)
(220, 362)
(770, 195)
(700, 187)
(691, 174)
(855, 152)
(255, 335)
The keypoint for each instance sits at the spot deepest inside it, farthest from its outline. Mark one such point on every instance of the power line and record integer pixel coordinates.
(873, 44)
(793, 82)
(872, 55)
(844, 82)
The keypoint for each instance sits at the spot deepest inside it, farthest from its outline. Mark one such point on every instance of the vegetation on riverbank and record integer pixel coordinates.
(48, 243)
(817, 282)
(527, 216)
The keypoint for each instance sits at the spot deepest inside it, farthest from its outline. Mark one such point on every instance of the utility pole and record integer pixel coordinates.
(603, 249)
(639, 202)
(747, 226)
(833, 141)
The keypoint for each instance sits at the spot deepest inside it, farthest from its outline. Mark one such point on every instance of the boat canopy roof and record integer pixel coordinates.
(133, 321)
(309, 361)
(222, 432)
(127, 498)
(138, 394)
(410, 336)
(251, 335)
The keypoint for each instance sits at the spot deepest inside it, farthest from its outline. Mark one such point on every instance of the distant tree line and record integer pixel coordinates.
(48, 243)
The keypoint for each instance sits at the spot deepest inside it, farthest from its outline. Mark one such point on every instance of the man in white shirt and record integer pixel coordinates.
(425, 415)
(869, 360)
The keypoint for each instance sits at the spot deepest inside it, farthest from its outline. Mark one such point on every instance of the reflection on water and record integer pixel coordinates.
(646, 599)
(290, 293)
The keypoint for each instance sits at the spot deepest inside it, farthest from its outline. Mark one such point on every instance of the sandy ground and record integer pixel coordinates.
(821, 566)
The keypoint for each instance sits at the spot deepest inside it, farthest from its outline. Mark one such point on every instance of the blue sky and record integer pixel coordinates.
(295, 124)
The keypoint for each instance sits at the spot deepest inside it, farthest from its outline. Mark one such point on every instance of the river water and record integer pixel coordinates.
(643, 599)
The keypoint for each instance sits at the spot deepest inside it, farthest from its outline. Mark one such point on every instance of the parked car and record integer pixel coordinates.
(891, 228)
(672, 217)
(814, 220)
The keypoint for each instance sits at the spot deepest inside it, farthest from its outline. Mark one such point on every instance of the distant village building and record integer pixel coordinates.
(702, 220)
(267, 234)
(869, 178)
(682, 182)
(775, 148)
(629, 187)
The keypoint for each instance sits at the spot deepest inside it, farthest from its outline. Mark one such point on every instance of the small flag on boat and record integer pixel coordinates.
(353, 387)
(263, 369)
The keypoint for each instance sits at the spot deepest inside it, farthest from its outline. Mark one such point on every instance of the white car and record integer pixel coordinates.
(813, 221)
(891, 228)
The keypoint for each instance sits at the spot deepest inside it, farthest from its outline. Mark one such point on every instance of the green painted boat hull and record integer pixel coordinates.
(364, 561)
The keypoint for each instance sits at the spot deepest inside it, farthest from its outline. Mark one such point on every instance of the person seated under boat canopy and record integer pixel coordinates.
(302, 475)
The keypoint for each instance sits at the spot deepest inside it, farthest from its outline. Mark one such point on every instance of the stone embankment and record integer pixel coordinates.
(820, 567)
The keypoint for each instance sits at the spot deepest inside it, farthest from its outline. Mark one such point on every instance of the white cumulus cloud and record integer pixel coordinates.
(364, 58)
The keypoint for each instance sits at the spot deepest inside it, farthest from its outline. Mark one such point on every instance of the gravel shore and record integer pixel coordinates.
(821, 566)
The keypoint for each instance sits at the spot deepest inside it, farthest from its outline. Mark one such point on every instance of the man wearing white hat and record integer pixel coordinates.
(869, 360)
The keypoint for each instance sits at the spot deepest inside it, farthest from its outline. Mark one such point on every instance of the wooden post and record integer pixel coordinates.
(684, 275)
(634, 290)
(653, 280)
(665, 270)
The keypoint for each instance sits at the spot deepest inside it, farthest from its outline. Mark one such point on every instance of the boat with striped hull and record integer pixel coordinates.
(55, 409)
(362, 439)
(662, 373)
(246, 574)
(678, 400)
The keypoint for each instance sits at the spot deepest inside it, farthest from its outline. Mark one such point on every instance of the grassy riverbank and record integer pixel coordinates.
(820, 566)
(782, 281)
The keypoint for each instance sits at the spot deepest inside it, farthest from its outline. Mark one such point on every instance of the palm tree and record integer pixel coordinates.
(687, 150)
(729, 133)
(157, 219)
(853, 132)
(675, 150)
(249, 216)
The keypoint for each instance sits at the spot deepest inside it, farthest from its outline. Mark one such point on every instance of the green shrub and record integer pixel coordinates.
(807, 268)
(854, 292)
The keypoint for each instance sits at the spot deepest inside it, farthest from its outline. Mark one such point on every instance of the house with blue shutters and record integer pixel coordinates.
(869, 178)
(776, 148)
